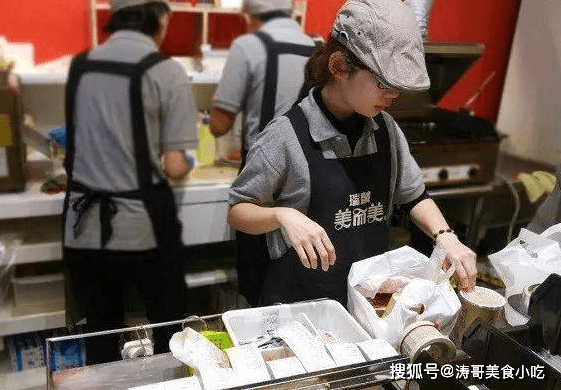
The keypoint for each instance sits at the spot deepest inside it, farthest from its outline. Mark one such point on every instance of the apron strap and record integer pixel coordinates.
(302, 129)
(70, 99)
(268, 102)
(107, 210)
(274, 50)
(144, 167)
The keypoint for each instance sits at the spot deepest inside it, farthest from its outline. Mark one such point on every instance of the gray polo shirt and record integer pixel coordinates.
(104, 144)
(243, 78)
(277, 172)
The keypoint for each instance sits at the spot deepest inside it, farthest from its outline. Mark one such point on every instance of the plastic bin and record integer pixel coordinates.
(45, 292)
(327, 315)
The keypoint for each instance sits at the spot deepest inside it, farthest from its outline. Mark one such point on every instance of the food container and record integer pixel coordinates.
(422, 335)
(41, 291)
(481, 303)
(326, 315)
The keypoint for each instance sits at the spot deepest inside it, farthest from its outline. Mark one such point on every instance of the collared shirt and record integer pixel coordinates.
(104, 157)
(243, 77)
(277, 174)
(352, 127)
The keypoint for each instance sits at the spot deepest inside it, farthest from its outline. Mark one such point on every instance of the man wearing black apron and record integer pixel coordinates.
(262, 77)
(120, 217)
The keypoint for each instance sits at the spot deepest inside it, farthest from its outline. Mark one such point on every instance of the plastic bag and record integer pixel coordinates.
(8, 250)
(196, 351)
(428, 285)
(528, 259)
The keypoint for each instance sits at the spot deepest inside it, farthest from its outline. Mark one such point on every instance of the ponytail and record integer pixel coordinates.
(316, 70)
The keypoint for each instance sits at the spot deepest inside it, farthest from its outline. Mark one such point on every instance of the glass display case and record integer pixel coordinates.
(163, 371)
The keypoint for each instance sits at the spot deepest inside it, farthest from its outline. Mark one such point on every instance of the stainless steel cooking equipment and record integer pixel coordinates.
(451, 147)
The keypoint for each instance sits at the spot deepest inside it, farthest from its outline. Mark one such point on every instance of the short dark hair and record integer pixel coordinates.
(316, 71)
(266, 16)
(144, 18)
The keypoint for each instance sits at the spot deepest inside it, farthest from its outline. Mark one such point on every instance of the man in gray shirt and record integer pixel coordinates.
(130, 116)
(262, 76)
(242, 86)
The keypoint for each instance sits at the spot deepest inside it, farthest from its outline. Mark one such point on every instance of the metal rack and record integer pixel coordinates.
(121, 375)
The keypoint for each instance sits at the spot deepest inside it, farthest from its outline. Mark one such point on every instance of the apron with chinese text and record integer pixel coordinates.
(349, 199)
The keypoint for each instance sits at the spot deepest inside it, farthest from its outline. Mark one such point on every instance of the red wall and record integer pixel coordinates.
(320, 15)
(55, 27)
(62, 27)
(489, 22)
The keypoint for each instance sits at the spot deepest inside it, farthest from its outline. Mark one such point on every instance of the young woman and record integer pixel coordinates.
(322, 180)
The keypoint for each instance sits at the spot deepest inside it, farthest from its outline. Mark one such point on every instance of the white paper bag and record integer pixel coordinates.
(441, 305)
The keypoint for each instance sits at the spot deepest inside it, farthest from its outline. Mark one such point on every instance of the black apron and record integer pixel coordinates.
(349, 199)
(158, 199)
(252, 255)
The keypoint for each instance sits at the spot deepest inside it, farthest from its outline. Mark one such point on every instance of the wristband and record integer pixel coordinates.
(442, 231)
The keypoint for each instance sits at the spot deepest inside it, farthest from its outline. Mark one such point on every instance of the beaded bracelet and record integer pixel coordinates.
(442, 231)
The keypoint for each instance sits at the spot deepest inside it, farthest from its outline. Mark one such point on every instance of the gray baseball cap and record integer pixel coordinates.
(256, 7)
(117, 5)
(385, 37)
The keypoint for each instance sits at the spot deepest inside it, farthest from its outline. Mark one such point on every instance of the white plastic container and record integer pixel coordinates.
(326, 315)
(45, 292)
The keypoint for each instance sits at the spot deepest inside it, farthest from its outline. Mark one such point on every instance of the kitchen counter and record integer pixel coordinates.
(205, 184)
(483, 215)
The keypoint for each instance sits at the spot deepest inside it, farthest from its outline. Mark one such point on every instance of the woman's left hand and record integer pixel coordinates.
(463, 258)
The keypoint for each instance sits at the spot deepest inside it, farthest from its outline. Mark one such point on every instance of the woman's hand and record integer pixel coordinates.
(306, 237)
(463, 258)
